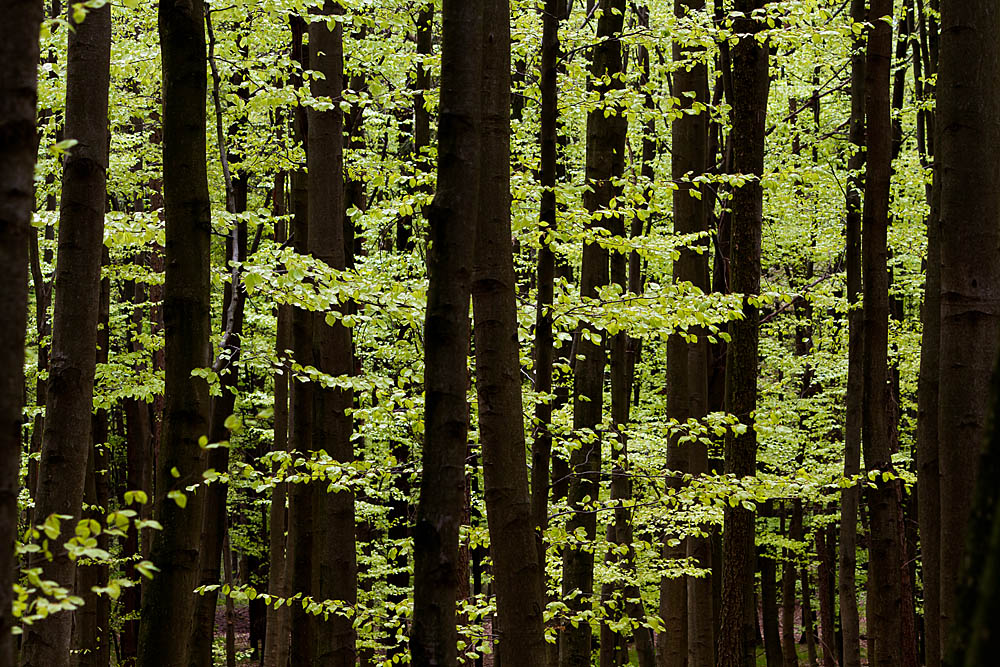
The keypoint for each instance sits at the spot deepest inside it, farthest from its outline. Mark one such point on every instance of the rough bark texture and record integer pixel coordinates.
(518, 574)
(66, 442)
(968, 125)
(168, 601)
(886, 567)
(605, 161)
(849, 498)
(749, 101)
(452, 220)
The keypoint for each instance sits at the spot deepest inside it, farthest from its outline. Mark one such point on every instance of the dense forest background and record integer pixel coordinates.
(482, 332)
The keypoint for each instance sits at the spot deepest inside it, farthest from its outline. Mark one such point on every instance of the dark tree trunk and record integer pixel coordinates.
(824, 581)
(66, 442)
(968, 125)
(518, 575)
(808, 616)
(298, 559)
(605, 161)
(749, 102)
(92, 624)
(886, 567)
(226, 364)
(452, 220)
(849, 497)
(769, 610)
(788, 650)
(421, 116)
(277, 633)
(168, 601)
(334, 566)
(541, 446)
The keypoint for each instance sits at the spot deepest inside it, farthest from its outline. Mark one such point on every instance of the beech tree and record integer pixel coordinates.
(633, 222)
(519, 574)
(66, 443)
(452, 220)
(18, 148)
(750, 87)
(168, 600)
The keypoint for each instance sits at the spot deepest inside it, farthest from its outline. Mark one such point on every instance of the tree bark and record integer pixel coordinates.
(886, 566)
(968, 126)
(605, 161)
(66, 442)
(849, 497)
(277, 632)
(168, 601)
(544, 342)
(92, 622)
(788, 651)
(518, 575)
(751, 85)
(334, 564)
(452, 220)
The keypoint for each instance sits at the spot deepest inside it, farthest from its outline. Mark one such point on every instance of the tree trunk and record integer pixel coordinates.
(968, 125)
(518, 575)
(788, 651)
(541, 446)
(334, 565)
(824, 586)
(749, 102)
(277, 633)
(452, 220)
(168, 601)
(769, 610)
(849, 497)
(298, 558)
(421, 116)
(605, 161)
(92, 623)
(66, 441)
(886, 567)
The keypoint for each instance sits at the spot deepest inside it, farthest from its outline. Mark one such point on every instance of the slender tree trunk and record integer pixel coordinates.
(168, 601)
(605, 161)
(92, 623)
(421, 116)
(849, 497)
(769, 609)
(886, 567)
(67, 439)
(518, 575)
(808, 616)
(824, 586)
(541, 446)
(788, 650)
(277, 633)
(749, 101)
(226, 364)
(138, 476)
(452, 219)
